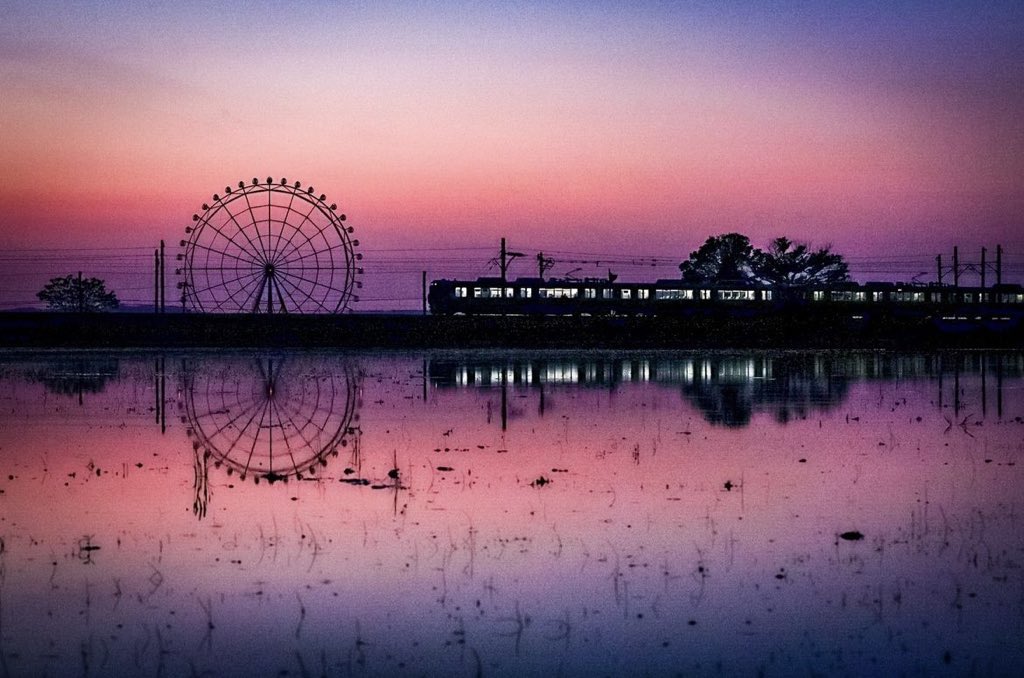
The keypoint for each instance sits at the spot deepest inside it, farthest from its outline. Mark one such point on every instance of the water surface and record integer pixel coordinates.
(511, 513)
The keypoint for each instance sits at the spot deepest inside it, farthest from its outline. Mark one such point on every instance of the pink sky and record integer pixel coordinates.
(577, 127)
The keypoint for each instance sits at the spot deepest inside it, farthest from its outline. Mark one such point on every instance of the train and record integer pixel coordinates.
(1000, 303)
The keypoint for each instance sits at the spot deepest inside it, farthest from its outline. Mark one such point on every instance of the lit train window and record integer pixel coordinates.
(607, 294)
(643, 294)
(736, 295)
(476, 292)
(590, 293)
(525, 292)
(558, 292)
(626, 294)
(673, 294)
(705, 294)
(878, 296)
(818, 295)
(766, 295)
(968, 298)
(509, 292)
(460, 291)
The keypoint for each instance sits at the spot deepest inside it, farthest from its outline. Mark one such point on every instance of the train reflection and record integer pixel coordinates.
(729, 389)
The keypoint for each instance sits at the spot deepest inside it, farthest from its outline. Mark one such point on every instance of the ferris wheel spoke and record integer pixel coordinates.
(296, 408)
(309, 293)
(300, 430)
(250, 285)
(242, 430)
(255, 438)
(254, 253)
(284, 222)
(214, 250)
(252, 406)
(314, 283)
(307, 255)
(285, 438)
(224, 283)
(240, 398)
(308, 246)
(298, 227)
(306, 294)
(229, 303)
(231, 297)
(314, 253)
(252, 215)
(314, 294)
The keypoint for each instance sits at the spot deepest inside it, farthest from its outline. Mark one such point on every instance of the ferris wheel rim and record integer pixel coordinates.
(300, 249)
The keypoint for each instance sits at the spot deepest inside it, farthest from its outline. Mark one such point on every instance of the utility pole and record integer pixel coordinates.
(543, 264)
(999, 264)
(504, 259)
(983, 267)
(423, 285)
(503, 263)
(156, 281)
(956, 267)
(938, 268)
(162, 279)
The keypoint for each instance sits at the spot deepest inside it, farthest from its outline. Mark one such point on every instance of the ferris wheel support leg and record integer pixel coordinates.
(280, 297)
(259, 296)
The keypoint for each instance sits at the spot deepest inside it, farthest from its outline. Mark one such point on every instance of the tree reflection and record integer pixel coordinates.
(730, 391)
(76, 375)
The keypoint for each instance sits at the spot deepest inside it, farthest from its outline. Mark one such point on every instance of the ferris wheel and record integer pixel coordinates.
(269, 247)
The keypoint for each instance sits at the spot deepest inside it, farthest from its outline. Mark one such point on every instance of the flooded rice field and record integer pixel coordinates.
(511, 514)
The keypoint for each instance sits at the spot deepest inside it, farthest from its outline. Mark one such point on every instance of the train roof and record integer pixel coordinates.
(678, 283)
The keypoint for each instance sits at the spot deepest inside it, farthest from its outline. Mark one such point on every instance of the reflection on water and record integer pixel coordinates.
(270, 418)
(75, 375)
(731, 389)
(509, 514)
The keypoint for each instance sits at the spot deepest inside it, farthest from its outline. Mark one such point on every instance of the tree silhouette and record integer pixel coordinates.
(730, 258)
(786, 263)
(74, 293)
(722, 258)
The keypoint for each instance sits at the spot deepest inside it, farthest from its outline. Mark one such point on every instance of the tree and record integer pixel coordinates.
(786, 263)
(724, 258)
(730, 258)
(74, 293)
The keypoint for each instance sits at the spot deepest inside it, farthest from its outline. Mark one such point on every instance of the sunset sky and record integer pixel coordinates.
(882, 128)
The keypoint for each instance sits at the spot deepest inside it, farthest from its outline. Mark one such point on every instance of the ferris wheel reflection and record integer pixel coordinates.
(268, 418)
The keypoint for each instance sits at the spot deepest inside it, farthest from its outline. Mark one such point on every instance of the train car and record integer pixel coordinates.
(596, 296)
(996, 306)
